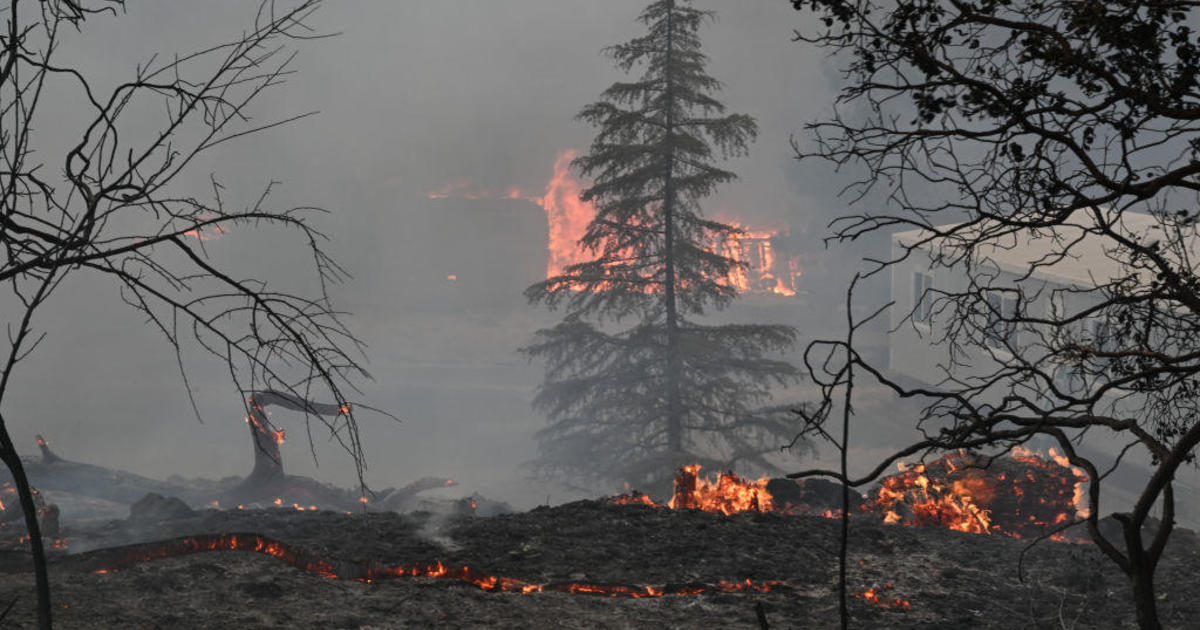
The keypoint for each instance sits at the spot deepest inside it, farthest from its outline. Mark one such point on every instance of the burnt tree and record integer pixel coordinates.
(1019, 140)
(112, 206)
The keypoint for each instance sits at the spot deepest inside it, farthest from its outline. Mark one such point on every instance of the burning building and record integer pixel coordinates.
(478, 245)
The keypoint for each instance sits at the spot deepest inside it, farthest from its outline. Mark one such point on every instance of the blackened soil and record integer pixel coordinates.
(951, 580)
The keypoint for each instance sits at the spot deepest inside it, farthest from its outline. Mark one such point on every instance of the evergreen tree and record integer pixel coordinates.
(635, 385)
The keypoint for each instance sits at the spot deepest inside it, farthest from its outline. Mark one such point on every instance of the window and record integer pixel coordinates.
(922, 298)
(1001, 331)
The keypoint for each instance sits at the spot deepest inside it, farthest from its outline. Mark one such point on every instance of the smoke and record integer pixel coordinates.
(413, 96)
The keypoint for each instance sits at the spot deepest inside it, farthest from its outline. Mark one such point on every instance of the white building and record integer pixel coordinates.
(1021, 272)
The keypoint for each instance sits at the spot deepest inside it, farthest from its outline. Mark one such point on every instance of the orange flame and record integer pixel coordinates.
(568, 216)
(963, 493)
(729, 494)
(370, 572)
(875, 597)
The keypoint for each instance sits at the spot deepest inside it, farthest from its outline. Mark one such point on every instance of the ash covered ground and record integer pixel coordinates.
(950, 579)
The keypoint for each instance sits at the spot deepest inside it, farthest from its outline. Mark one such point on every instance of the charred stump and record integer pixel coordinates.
(268, 461)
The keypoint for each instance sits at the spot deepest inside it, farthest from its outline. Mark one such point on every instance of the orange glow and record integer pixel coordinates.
(957, 491)
(728, 494)
(207, 233)
(463, 188)
(960, 492)
(876, 598)
(568, 216)
(763, 271)
(371, 572)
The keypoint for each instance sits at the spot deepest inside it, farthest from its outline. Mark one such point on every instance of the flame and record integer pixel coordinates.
(729, 494)
(370, 571)
(964, 493)
(875, 597)
(762, 271)
(568, 217)
(1026, 494)
(462, 188)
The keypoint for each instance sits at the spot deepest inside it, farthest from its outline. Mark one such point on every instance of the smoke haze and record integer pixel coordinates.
(414, 96)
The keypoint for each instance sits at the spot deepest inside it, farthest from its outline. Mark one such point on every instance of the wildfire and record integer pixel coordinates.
(567, 215)
(877, 598)
(209, 233)
(764, 270)
(729, 494)
(109, 561)
(1025, 494)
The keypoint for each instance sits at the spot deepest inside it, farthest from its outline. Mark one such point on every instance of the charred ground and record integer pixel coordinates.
(951, 579)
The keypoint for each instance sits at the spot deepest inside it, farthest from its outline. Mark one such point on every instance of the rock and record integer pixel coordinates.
(155, 507)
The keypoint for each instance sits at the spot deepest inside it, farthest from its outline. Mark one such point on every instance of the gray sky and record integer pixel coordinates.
(413, 94)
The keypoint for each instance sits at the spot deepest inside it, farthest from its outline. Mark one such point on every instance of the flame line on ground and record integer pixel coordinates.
(113, 559)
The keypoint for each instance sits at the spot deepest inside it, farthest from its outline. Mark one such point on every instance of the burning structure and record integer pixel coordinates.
(497, 239)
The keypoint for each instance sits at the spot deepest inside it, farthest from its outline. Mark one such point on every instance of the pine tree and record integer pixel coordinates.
(635, 384)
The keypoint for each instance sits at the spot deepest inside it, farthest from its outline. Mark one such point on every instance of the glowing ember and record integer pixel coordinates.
(728, 495)
(875, 597)
(109, 560)
(1020, 496)
(1023, 495)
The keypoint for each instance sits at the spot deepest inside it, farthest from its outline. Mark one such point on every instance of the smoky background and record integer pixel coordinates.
(413, 97)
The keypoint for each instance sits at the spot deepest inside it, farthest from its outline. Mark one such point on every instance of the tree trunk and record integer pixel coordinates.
(8, 454)
(268, 462)
(1143, 597)
(674, 364)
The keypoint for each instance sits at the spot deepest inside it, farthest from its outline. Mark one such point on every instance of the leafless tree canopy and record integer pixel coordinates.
(1037, 137)
(111, 205)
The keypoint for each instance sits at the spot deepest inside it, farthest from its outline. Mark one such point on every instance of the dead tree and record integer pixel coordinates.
(1010, 139)
(268, 462)
(113, 206)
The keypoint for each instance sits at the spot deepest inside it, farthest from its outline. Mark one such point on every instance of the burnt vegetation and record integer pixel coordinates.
(1036, 163)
